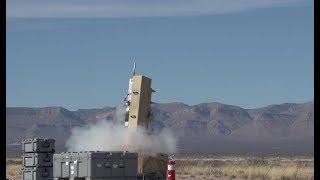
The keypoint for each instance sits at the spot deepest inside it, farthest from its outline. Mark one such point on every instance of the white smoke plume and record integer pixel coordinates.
(112, 135)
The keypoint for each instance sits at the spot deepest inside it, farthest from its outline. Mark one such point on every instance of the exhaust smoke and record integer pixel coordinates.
(112, 135)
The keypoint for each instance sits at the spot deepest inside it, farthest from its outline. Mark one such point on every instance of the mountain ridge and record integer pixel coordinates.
(210, 119)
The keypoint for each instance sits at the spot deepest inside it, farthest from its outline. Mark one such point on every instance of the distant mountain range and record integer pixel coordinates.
(284, 122)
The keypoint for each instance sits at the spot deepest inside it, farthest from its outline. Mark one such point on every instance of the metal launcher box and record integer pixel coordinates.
(38, 145)
(95, 165)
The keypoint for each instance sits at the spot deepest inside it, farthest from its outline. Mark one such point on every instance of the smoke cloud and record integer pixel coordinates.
(112, 135)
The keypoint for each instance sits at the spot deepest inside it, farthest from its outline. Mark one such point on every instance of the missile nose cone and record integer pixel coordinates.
(134, 69)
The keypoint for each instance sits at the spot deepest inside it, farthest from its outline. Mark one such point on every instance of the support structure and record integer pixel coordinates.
(140, 112)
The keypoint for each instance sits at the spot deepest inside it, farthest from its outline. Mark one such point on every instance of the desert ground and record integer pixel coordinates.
(205, 167)
(241, 167)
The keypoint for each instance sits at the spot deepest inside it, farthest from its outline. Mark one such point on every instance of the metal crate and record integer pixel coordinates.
(95, 165)
(38, 145)
(39, 173)
(37, 159)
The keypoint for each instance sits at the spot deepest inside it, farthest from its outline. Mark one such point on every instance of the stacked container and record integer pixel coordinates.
(37, 159)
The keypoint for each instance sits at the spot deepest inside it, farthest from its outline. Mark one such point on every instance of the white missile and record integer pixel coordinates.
(134, 69)
(128, 97)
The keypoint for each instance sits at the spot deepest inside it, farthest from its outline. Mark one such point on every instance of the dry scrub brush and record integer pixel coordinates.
(249, 168)
(13, 168)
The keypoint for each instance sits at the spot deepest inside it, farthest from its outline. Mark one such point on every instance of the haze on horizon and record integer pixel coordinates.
(79, 54)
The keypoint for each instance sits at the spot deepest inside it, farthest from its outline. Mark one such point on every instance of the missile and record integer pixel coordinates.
(134, 69)
(127, 99)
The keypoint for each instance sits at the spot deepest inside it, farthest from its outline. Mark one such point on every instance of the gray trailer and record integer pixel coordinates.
(95, 165)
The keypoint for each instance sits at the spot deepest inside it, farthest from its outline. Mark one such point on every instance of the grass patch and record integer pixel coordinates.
(247, 167)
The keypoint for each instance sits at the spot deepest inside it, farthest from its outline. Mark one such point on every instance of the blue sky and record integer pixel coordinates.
(78, 54)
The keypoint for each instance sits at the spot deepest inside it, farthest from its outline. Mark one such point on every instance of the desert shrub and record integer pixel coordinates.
(257, 162)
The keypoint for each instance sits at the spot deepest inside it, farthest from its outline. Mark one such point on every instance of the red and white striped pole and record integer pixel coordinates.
(171, 173)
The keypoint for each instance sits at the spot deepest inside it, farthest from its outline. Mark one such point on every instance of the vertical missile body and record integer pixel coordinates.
(128, 97)
(134, 69)
(127, 103)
